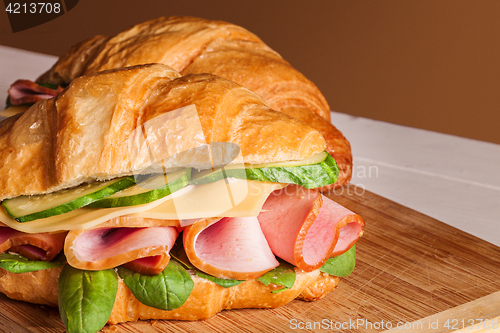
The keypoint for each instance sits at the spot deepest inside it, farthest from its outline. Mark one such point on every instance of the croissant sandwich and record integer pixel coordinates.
(138, 193)
(157, 192)
(193, 45)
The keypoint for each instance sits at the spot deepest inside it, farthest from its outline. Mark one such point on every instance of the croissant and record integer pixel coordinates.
(84, 134)
(194, 45)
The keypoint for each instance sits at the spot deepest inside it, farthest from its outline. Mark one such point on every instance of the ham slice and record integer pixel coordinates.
(305, 228)
(149, 265)
(39, 246)
(229, 248)
(349, 226)
(29, 92)
(108, 247)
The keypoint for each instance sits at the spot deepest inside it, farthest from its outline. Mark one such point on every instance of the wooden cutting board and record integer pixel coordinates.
(410, 267)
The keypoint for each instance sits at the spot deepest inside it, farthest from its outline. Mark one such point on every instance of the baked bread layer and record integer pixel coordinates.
(206, 299)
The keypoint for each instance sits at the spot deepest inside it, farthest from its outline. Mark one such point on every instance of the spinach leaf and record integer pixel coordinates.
(177, 252)
(86, 298)
(283, 275)
(15, 263)
(226, 283)
(165, 291)
(342, 265)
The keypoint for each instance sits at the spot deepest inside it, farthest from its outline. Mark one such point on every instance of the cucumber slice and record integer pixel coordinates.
(29, 208)
(154, 187)
(324, 172)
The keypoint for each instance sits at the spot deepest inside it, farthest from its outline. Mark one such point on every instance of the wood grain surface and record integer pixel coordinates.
(409, 267)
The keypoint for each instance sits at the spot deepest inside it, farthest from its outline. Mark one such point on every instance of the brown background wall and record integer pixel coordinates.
(432, 64)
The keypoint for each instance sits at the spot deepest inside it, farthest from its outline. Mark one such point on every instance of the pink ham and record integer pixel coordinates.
(231, 248)
(305, 228)
(349, 226)
(109, 247)
(29, 92)
(39, 246)
(149, 265)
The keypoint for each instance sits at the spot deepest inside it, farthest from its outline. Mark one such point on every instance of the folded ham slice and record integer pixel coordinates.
(29, 92)
(306, 228)
(229, 248)
(108, 247)
(149, 265)
(349, 226)
(39, 246)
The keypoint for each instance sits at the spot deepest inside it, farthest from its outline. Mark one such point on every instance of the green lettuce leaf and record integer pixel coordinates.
(342, 265)
(165, 291)
(283, 275)
(15, 263)
(86, 298)
(308, 176)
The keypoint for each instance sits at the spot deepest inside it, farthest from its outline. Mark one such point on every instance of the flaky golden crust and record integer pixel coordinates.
(205, 301)
(318, 289)
(78, 58)
(39, 287)
(257, 67)
(26, 149)
(89, 132)
(336, 144)
(195, 45)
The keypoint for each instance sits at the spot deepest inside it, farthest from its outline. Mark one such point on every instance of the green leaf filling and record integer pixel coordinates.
(283, 275)
(308, 176)
(226, 283)
(15, 263)
(342, 265)
(86, 298)
(165, 291)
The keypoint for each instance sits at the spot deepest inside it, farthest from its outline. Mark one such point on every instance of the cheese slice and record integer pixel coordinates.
(226, 197)
(229, 198)
(83, 218)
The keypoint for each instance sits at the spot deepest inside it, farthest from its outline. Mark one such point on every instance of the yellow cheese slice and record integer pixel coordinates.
(226, 197)
(234, 198)
(83, 218)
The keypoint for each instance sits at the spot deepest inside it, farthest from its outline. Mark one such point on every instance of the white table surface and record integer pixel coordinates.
(452, 179)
